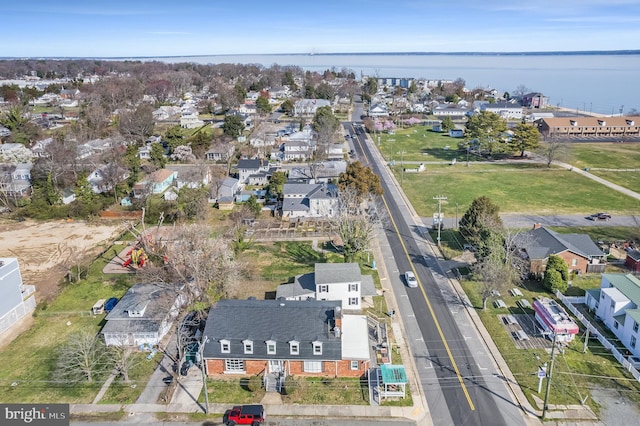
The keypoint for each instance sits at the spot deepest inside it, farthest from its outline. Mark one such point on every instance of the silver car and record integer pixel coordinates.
(411, 280)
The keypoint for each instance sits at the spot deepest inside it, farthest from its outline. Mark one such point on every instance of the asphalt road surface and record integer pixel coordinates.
(457, 390)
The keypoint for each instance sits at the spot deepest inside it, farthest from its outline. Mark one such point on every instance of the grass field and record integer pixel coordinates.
(605, 155)
(516, 188)
(575, 372)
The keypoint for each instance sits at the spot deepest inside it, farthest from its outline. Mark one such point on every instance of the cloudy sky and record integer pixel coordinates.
(117, 28)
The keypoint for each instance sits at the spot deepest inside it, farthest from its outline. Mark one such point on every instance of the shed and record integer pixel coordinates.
(393, 381)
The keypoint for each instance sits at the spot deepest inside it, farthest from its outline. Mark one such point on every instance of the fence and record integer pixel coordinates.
(568, 302)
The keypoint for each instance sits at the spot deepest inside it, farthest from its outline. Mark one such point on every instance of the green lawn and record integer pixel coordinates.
(516, 188)
(574, 372)
(606, 155)
(419, 143)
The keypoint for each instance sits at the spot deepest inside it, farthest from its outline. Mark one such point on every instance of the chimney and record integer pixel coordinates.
(537, 225)
(337, 314)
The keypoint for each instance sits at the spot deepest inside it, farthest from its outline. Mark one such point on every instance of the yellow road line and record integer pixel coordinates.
(424, 294)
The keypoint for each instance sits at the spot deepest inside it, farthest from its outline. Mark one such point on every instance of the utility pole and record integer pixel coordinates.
(549, 372)
(205, 340)
(440, 198)
(401, 167)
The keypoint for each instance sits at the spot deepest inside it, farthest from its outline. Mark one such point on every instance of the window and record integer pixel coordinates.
(615, 325)
(613, 305)
(317, 348)
(271, 347)
(353, 301)
(234, 365)
(574, 262)
(225, 346)
(323, 288)
(294, 347)
(353, 287)
(313, 366)
(248, 346)
(635, 326)
(633, 342)
(354, 365)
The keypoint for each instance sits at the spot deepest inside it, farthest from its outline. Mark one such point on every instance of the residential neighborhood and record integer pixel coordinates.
(266, 222)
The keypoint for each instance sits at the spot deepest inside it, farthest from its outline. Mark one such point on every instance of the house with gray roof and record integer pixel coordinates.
(331, 281)
(309, 200)
(144, 315)
(285, 337)
(248, 167)
(617, 304)
(578, 251)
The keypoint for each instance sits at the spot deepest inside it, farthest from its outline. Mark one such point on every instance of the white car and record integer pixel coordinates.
(411, 280)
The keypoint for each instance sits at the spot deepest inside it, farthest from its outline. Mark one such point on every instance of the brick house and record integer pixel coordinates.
(285, 337)
(580, 126)
(632, 261)
(578, 251)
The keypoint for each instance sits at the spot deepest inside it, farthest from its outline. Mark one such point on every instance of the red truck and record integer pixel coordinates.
(245, 415)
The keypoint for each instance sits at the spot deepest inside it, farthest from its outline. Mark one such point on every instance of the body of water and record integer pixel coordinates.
(602, 83)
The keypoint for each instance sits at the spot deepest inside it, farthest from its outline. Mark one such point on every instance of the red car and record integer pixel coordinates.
(245, 415)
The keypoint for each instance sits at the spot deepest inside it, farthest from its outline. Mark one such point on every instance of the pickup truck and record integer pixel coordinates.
(245, 415)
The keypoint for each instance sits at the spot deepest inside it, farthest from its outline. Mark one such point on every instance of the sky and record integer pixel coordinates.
(141, 28)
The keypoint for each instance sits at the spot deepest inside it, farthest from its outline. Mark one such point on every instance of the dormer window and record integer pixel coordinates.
(630, 123)
(602, 123)
(137, 311)
(225, 346)
(248, 346)
(294, 347)
(271, 347)
(573, 122)
(317, 348)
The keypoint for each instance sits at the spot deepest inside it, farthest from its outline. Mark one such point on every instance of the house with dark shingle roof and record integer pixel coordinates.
(144, 315)
(285, 337)
(247, 168)
(578, 251)
(632, 261)
(312, 200)
(331, 281)
(617, 304)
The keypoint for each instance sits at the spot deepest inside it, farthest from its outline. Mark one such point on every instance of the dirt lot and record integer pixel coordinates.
(46, 250)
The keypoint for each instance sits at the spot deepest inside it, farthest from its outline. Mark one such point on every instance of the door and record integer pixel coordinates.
(276, 366)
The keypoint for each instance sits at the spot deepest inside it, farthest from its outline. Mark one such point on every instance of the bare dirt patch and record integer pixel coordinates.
(46, 250)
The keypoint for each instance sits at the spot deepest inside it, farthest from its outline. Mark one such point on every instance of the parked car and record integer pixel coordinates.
(253, 415)
(167, 380)
(599, 216)
(411, 280)
(110, 304)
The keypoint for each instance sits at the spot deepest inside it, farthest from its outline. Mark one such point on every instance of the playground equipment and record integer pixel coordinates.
(136, 257)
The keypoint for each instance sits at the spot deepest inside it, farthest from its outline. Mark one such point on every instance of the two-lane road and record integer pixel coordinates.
(455, 372)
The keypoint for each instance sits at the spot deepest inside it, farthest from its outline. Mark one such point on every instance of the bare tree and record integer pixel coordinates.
(554, 149)
(502, 264)
(122, 358)
(195, 263)
(137, 124)
(353, 221)
(81, 358)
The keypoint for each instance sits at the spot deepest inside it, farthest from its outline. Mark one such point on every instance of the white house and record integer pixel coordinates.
(330, 281)
(309, 200)
(379, 110)
(16, 299)
(308, 107)
(190, 120)
(102, 178)
(144, 315)
(617, 304)
(246, 168)
(505, 110)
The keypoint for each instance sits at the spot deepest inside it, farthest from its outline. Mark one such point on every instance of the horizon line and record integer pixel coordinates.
(314, 53)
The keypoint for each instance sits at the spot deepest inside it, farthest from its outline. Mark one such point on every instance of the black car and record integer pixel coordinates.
(599, 216)
(167, 380)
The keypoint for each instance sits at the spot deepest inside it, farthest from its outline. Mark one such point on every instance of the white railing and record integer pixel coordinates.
(568, 302)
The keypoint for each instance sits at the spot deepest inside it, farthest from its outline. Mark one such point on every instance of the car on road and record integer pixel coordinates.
(599, 216)
(253, 415)
(411, 280)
